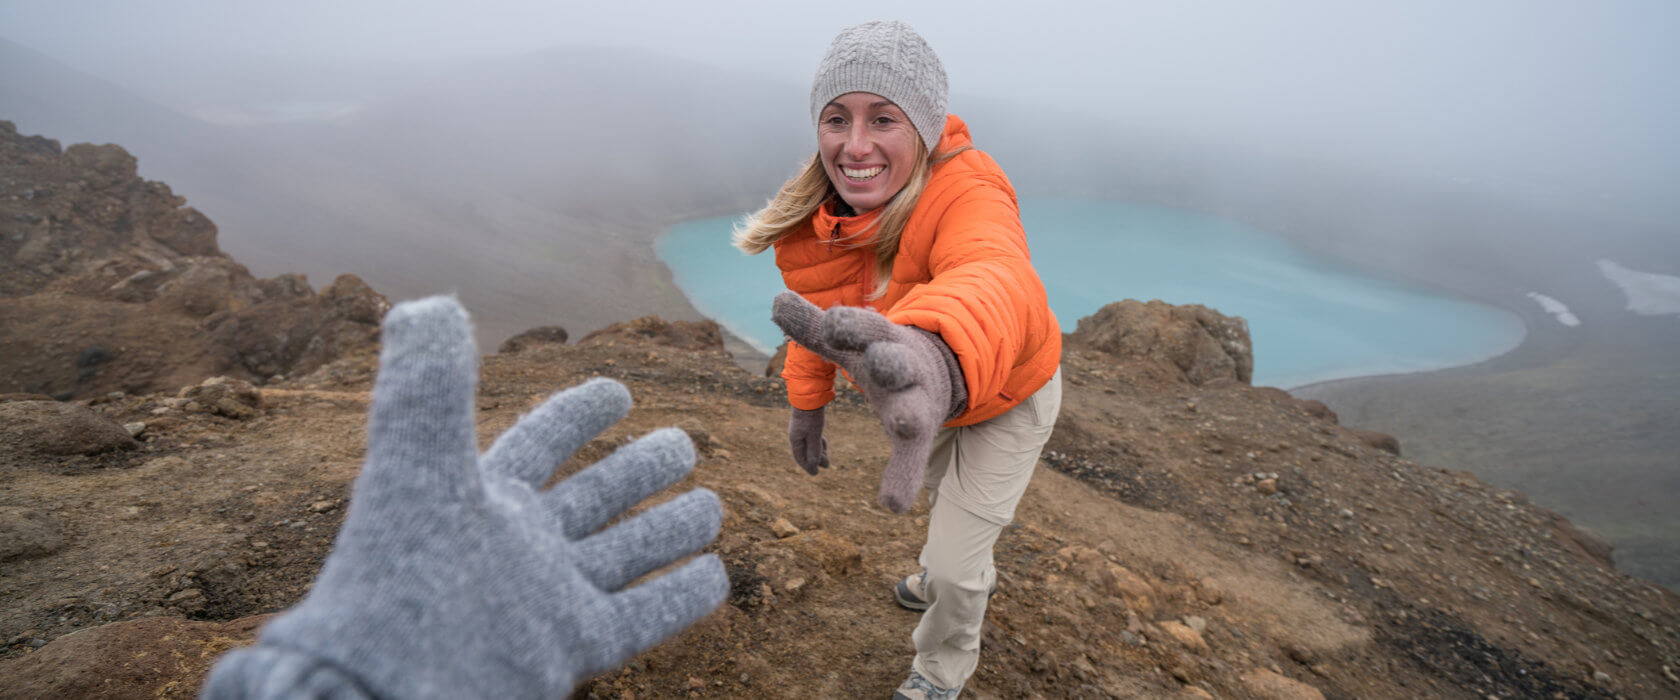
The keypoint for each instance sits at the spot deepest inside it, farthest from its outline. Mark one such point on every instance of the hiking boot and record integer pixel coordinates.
(911, 592)
(918, 688)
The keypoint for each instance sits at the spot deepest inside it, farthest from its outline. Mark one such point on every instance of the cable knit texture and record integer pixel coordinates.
(457, 575)
(891, 60)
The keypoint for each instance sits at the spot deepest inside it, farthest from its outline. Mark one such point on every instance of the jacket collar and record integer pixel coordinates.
(848, 230)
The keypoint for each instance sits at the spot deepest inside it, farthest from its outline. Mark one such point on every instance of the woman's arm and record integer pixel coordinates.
(810, 379)
(985, 299)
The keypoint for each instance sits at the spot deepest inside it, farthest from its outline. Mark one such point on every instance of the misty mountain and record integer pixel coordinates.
(533, 184)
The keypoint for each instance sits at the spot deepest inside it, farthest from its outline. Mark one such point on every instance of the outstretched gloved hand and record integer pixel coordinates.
(456, 574)
(805, 436)
(909, 375)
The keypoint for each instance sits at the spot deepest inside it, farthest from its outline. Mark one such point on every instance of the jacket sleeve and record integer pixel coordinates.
(810, 379)
(983, 294)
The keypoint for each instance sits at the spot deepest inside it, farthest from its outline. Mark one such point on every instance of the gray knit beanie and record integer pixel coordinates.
(891, 60)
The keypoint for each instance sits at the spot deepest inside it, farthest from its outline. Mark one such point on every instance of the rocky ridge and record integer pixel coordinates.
(1187, 535)
(109, 283)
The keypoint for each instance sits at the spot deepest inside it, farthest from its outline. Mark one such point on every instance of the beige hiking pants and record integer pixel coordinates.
(976, 475)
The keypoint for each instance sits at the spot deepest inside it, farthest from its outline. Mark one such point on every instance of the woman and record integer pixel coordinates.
(912, 241)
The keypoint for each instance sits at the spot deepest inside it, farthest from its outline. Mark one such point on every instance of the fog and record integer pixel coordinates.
(1509, 137)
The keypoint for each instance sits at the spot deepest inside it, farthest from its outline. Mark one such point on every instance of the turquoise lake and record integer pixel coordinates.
(1311, 318)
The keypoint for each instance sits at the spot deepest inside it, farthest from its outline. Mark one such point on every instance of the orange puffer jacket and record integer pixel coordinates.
(962, 271)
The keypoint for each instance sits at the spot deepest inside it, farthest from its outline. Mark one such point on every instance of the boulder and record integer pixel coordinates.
(652, 330)
(57, 428)
(1188, 638)
(1268, 685)
(26, 533)
(222, 396)
(295, 335)
(1201, 344)
(207, 286)
(553, 335)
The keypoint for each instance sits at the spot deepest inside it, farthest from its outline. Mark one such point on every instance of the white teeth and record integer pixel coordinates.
(862, 174)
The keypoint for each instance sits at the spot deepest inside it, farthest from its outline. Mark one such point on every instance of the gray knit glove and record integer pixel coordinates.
(909, 375)
(805, 436)
(456, 575)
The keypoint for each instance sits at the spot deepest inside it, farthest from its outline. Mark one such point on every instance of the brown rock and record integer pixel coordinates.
(783, 528)
(56, 428)
(1318, 409)
(652, 330)
(27, 533)
(1120, 582)
(1210, 592)
(101, 661)
(541, 335)
(293, 336)
(1381, 441)
(836, 555)
(1267, 685)
(1203, 345)
(1188, 638)
(222, 396)
(1266, 487)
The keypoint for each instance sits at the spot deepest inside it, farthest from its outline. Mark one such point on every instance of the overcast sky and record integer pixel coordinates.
(1573, 94)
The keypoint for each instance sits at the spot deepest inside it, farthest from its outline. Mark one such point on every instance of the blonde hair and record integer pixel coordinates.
(805, 192)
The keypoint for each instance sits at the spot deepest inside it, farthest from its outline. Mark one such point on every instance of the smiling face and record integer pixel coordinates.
(868, 148)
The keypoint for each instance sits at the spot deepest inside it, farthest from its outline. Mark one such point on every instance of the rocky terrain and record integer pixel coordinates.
(108, 283)
(1187, 534)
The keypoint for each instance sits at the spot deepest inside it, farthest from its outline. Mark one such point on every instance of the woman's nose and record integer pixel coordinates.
(858, 144)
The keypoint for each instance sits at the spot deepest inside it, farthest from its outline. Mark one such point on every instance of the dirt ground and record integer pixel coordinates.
(1178, 540)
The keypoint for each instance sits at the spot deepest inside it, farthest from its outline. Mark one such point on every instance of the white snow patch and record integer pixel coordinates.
(1648, 293)
(1556, 308)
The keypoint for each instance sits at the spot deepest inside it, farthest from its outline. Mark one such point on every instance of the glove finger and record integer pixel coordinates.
(852, 328)
(890, 366)
(664, 533)
(656, 610)
(799, 319)
(420, 434)
(802, 454)
(910, 427)
(588, 499)
(542, 439)
(906, 466)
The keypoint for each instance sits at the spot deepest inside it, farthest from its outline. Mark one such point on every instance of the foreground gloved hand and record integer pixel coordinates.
(455, 575)
(805, 437)
(909, 375)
